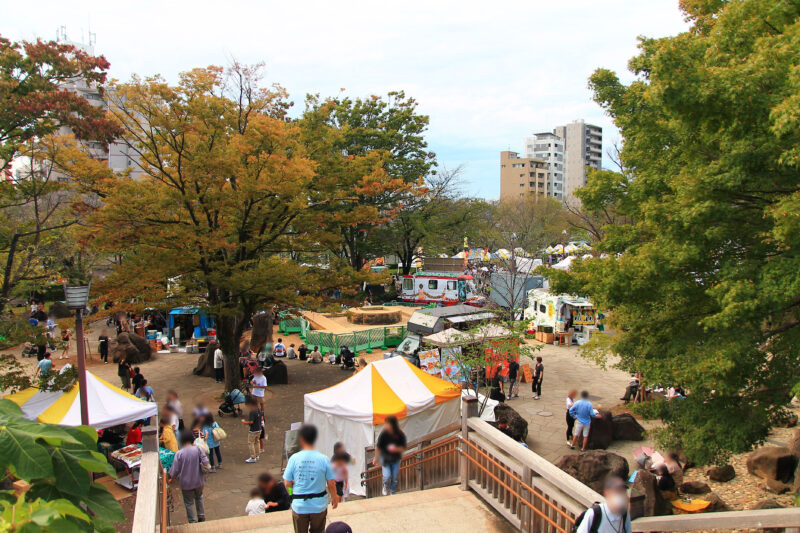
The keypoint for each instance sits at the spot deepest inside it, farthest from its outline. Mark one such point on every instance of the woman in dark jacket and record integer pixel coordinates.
(274, 493)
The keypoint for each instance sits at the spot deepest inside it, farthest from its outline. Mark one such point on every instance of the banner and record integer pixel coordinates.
(450, 369)
(429, 362)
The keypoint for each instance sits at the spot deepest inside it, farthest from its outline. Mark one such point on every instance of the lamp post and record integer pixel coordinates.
(77, 299)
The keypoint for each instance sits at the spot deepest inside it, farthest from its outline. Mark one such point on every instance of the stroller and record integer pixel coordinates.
(231, 403)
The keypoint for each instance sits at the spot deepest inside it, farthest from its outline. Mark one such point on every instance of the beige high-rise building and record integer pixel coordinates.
(583, 147)
(522, 176)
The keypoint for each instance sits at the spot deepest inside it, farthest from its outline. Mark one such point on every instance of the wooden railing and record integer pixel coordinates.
(526, 489)
(145, 513)
(737, 520)
(429, 461)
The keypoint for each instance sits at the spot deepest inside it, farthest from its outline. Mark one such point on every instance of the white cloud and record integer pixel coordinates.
(487, 73)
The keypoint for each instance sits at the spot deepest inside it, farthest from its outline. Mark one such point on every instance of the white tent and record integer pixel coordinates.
(488, 410)
(108, 405)
(354, 410)
(565, 263)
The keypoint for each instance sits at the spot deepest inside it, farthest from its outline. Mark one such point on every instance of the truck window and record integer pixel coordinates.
(433, 284)
(451, 285)
(408, 284)
(542, 309)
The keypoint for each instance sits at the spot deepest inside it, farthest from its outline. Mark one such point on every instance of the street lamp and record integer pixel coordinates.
(77, 298)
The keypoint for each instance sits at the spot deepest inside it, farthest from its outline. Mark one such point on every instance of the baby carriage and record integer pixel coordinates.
(231, 404)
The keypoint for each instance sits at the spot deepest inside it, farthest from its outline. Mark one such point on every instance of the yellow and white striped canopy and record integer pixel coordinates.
(108, 405)
(387, 387)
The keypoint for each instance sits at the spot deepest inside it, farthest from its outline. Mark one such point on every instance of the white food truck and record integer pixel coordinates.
(561, 313)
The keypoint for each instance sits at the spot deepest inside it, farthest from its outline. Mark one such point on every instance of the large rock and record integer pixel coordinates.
(695, 487)
(655, 504)
(790, 421)
(794, 443)
(205, 362)
(626, 427)
(769, 503)
(721, 474)
(717, 503)
(124, 350)
(144, 348)
(59, 310)
(777, 487)
(592, 467)
(517, 424)
(601, 434)
(277, 374)
(772, 463)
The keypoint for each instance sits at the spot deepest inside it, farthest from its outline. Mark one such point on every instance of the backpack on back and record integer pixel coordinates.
(597, 519)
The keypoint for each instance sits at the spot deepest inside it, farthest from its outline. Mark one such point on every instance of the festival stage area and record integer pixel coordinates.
(339, 323)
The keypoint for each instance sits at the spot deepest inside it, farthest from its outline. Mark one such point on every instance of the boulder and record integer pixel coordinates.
(777, 487)
(655, 504)
(59, 310)
(262, 331)
(626, 427)
(205, 362)
(721, 474)
(277, 374)
(794, 443)
(695, 487)
(517, 424)
(144, 348)
(775, 463)
(592, 467)
(769, 503)
(124, 350)
(717, 503)
(601, 433)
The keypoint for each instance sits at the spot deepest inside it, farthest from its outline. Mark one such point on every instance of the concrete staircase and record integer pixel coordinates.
(442, 510)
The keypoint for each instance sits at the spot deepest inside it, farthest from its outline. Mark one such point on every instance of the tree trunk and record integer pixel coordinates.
(229, 333)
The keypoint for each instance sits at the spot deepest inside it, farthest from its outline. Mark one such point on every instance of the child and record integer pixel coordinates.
(339, 463)
(256, 504)
(254, 422)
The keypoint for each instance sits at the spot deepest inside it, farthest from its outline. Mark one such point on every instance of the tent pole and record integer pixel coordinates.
(81, 367)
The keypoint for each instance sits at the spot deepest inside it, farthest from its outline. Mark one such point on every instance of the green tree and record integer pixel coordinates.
(373, 148)
(57, 462)
(706, 291)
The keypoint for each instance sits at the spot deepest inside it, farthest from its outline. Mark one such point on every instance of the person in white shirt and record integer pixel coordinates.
(256, 505)
(611, 516)
(570, 421)
(219, 363)
(280, 349)
(259, 385)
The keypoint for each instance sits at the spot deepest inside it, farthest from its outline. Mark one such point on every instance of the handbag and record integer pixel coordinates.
(218, 433)
(205, 468)
(201, 444)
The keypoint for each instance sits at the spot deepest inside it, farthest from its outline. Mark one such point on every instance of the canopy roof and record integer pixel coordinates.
(185, 311)
(108, 405)
(387, 387)
(454, 337)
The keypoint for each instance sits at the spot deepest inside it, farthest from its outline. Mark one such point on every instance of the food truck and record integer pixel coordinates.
(560, 318)
(444, 288)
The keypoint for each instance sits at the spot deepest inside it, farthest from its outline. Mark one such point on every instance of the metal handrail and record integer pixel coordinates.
(368, 474)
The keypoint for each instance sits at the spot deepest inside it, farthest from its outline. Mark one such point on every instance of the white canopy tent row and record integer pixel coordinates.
(353, 412)
(108, 405)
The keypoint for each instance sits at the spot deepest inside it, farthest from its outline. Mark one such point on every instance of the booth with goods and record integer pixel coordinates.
(560, 319)
(109, 407)
(187, 323)
(354, 411)
(441, 351)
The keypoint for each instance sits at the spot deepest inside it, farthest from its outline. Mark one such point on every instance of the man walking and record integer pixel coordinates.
(187, 470)
(513, 370)
(582, 411)
(310, 475)
(219, 362)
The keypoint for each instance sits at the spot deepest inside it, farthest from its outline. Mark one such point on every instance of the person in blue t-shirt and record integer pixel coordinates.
(44, 366)
(310, 478)
(582, 411)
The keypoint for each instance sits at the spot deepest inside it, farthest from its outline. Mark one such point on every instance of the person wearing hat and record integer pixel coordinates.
(338, 527)
(610, 516)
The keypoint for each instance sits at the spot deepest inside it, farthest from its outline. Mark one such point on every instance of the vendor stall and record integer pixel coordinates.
(560, 319)
(355, 410)
(189, 322)
(500, 345)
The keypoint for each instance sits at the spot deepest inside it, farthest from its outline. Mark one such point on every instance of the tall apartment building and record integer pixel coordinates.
(583, 145)
(549, 147)
(522, 176)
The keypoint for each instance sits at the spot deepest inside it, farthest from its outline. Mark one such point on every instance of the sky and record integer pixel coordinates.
(487, 73)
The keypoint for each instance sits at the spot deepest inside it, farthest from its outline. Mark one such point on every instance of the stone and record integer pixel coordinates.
(717, 503)
(769, 503)
(144, 348)
(777, 487)
(695, 487)
(626, 427)
(655, 504)
(592, 467)
(721, 474)
(205, 362)
(601, 433)
(277, 374)
(517, 424)
(794, 443)
(59, 310)
(125, 349)
(789, 422)
(545, 414)
(772, 463)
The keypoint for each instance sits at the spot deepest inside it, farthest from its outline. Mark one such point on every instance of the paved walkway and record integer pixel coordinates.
(435, 511)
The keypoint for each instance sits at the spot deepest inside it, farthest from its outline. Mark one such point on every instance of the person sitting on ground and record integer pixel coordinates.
(315, 356)
(611, 516)
(348, 359)
(256, 505)
(666, 484)
(302, 352)
(290, 352)
(274, 493)
(280, 349)
(632, 389)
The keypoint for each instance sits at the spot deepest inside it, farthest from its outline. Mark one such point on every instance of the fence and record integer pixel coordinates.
(292, 324)
(366, 339)
(430, 461)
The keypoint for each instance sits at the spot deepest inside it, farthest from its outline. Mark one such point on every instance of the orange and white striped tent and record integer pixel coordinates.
(353, 411)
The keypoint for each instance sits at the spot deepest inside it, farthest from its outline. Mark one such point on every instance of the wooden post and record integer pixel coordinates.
(420, 465)
(469, 408)
(149, 439)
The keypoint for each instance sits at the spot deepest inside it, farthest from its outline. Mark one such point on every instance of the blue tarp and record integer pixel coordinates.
(199, 331)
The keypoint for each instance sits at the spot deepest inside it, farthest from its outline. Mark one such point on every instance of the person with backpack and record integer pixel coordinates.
(609, 517)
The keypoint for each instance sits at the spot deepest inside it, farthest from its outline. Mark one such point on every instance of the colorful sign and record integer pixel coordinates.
(450, 369)
(429, 362)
